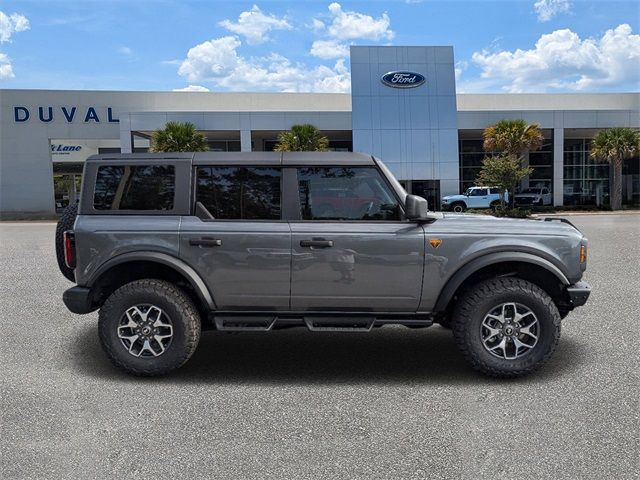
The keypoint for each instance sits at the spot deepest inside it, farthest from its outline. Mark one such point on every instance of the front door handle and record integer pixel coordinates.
(205, 242)
(316, 243)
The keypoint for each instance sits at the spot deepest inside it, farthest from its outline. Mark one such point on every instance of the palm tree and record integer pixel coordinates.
(513, 138)
(615, 145)
(302, 138)
(178, 137)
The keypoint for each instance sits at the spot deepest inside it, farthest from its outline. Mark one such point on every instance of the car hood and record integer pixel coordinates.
(490, 225)
(527, 195)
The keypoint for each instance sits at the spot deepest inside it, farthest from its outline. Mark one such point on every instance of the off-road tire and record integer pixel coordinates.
(66, 221)
(184, 316)
(461, 205)
(479, 300)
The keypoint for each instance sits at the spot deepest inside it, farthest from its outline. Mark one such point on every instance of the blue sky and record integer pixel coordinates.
(500, 46)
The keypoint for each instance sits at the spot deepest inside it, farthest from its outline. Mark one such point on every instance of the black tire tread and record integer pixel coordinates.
(66, 221)
(467, 306)
(171, 293)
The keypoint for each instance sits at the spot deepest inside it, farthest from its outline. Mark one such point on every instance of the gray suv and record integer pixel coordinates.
(165, 245)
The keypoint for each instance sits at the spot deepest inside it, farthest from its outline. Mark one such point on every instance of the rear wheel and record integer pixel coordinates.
(506, 327)
(67, 219)
(149, 327)
(459, 207)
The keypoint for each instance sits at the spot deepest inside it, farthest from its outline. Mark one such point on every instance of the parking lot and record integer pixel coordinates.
(394, 403)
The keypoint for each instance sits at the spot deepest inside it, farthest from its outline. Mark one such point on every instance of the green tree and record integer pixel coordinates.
(178, 137)
(615, 145)
(514, 139)
(302, 138)
(504, 172)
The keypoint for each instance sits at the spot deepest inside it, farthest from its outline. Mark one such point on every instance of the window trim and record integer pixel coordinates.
(297, 215)
(194, 194)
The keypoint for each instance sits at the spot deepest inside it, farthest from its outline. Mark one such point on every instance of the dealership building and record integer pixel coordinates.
(429, 136)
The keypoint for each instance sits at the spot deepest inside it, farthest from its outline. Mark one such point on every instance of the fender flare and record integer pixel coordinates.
(476, 264)
(174, 263)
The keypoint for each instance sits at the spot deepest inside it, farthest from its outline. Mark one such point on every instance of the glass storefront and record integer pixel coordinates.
(586, 180)
(472, 153)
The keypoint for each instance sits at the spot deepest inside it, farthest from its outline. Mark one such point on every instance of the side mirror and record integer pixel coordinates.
(416, 208)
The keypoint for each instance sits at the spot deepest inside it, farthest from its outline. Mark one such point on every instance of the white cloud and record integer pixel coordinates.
(328, 49)
(460, 67)
(352, 25)
(125, 51)
(317, 25)
(6, 70)
(547, 9)
(192, 88)
(561, 60)
(254, 25)
(10, 24)
(217, 61)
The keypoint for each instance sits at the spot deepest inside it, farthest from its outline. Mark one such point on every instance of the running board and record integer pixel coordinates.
(339, 324)
(321, 322)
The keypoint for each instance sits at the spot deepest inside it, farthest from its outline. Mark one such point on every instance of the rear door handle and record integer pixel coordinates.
(205, 242)
(316, 243)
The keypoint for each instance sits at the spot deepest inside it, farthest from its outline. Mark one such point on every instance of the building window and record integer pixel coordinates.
(427, 189)
(542, 163)
(224, 145)
(586, 181)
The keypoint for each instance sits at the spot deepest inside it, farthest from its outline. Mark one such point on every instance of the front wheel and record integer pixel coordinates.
(149, 327)
(506, 327)
(458, 207)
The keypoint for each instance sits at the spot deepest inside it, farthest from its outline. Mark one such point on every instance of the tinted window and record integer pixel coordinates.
(135, 187)
(240, 193)
(478, 192)
(494, 191)
(351, 193)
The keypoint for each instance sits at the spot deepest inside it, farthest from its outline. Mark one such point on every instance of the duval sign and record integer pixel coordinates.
(68, 114)
(402, 79)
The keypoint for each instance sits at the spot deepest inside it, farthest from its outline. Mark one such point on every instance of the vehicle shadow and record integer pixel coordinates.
(297, 356)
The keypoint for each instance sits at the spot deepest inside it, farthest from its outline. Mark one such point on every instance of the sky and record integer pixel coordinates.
(507, 46)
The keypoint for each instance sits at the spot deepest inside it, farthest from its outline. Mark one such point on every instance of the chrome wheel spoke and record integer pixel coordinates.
(509, 331)
(145, 331)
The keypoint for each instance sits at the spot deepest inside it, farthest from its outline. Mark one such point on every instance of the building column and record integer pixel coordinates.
(558, 167)
(126, 139)
(245, 140)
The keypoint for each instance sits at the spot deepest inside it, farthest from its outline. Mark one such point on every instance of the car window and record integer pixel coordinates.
(240, 193)
(135, 187)
(545, 191)
(494, 191)
(478, 192)
(345, 193)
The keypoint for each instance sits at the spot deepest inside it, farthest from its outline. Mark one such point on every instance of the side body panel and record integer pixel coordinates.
(100, 238)
(465, 238)
(250, 269)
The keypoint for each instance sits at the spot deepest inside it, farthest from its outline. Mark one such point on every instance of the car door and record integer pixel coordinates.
(238, 242)
(478, 198)
(352, 251)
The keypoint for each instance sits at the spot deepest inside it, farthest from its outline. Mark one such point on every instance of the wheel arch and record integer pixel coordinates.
(536, 269)
(128, 267)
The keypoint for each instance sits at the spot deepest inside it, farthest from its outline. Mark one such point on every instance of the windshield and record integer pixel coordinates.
(531, 190)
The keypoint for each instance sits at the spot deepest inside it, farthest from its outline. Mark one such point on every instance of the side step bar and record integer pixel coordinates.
(333, 322)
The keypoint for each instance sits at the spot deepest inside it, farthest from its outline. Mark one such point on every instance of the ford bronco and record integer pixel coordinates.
(165, 245)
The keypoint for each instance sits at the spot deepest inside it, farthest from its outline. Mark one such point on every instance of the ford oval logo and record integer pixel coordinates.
(403, 79)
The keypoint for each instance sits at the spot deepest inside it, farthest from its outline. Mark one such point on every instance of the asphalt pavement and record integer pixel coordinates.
(394, 403)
